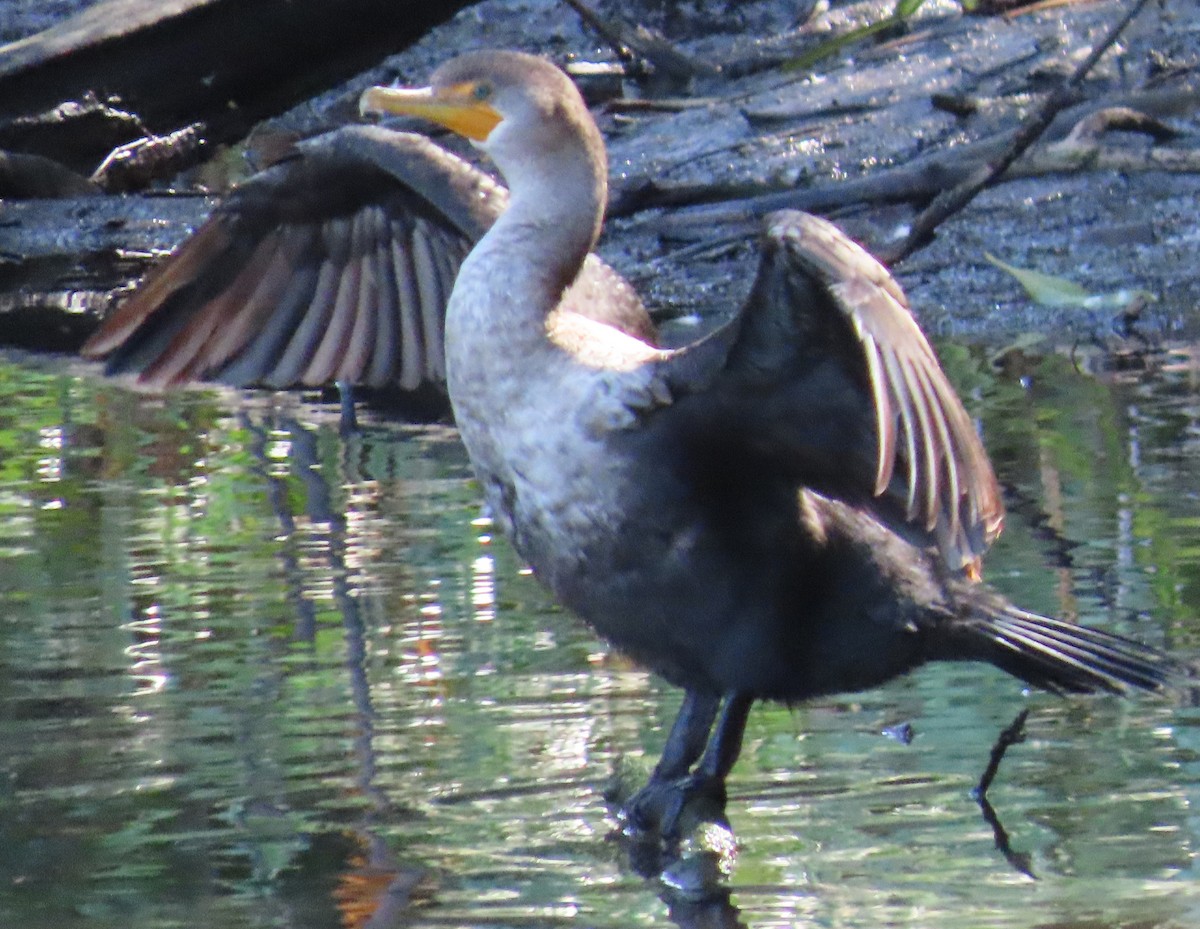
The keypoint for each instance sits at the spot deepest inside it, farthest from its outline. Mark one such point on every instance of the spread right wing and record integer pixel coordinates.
(335, 264)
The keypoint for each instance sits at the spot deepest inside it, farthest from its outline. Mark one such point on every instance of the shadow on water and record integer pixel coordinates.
(253, 673)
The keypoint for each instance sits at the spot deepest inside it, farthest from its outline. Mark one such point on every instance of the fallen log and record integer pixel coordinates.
(160, 65)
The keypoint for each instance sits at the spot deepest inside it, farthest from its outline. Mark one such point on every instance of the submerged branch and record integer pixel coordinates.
(1013, 734)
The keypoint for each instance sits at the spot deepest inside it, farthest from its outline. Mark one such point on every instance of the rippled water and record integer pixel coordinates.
(253, 674)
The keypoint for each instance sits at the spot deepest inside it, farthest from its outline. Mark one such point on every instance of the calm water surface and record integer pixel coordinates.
(253, 674)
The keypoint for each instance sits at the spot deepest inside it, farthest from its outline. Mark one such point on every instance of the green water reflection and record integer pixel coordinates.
(254, 674)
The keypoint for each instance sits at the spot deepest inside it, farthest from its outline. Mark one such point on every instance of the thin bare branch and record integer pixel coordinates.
(956, 198)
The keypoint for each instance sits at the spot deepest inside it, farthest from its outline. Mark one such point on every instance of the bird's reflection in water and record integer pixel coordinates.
(713, 913)
(371, 888)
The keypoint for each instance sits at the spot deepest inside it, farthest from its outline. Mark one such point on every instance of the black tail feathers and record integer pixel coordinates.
(1064, 657)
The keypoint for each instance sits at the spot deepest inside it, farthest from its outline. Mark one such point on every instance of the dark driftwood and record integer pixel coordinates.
(647, 54)
(916, 182)
(24, 176)
(951, 201)
(172, 63)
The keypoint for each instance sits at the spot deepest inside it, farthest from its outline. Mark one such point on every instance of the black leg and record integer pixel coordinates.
(706, 784)
(726, 742)
(689, 733)
(659, 806)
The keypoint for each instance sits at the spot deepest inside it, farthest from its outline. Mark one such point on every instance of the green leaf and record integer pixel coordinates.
(810, 58)
(1049, 290)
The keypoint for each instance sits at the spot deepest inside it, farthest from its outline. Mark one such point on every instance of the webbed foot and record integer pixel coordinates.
(672, 809)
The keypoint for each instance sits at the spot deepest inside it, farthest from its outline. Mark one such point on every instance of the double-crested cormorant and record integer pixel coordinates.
(793, 506)
(332, 265)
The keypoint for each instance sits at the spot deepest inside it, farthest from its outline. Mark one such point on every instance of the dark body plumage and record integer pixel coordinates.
(749, 553)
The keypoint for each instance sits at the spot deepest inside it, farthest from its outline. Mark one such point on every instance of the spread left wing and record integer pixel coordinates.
(825, 376)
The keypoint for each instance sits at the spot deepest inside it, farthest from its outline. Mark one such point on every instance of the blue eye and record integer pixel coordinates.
(481, 91)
